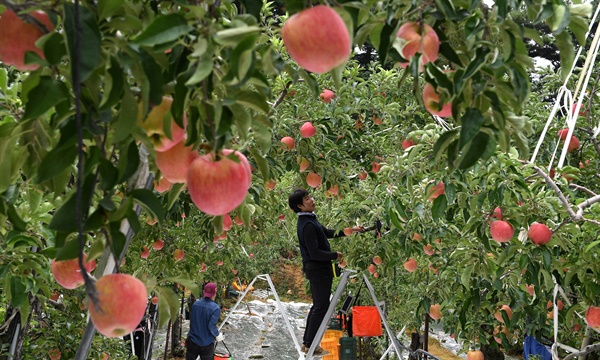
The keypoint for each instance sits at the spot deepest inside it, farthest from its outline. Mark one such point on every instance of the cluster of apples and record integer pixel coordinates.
(503, 231)
(17, 37)
(122, 297)
(372, 268)
(574, 143)
(217, 182)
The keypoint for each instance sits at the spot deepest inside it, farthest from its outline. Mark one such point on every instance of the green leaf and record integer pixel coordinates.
(149, 202)
(54, 48)
(18, 292)
(90, 40)
(262, 133)
(168, 305)
(11, 213)
(64, 220)
(127, 117)
(592, 245)
(107, 8)
(447, 8)
(3, 80)
(253, 7)
(174, 193)
(294, 6)
(253, 100)
(46, 94)
(471, 123)
(70, 250)
(164, 29)
(56, 161)
(128, 161)
(189, 284)
(443, 142)
(473, 151)
(579, 27)
(113, 85)
(561, 17)
(310, 81)
(109, 174)
(262, 163)
(235, 35)
(567, 56)
(204, 67)
(242, 119)
(439, 207)
(117, 239)
(477, 61)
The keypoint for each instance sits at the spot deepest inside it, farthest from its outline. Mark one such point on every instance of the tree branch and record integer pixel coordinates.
(584, 189)
(554, 187)
(588, 349)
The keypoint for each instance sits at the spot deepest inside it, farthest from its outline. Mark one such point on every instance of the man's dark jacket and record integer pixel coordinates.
(314, 246)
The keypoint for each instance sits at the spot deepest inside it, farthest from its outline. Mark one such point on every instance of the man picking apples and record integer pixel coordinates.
(203, 326)
(316, 261)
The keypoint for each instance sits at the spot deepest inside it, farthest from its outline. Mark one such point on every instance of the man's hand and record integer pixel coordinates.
(340, 256)
(219, 337)
(358, 229)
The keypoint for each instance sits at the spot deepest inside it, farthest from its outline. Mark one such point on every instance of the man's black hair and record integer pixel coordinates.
(296, 198)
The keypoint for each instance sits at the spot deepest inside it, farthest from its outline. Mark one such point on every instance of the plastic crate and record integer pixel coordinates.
(331, 345)
(337, 334)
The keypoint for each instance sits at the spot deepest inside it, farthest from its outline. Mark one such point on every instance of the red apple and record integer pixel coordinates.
(158, 244)
(307, 130)
(582, 111)
(304, 164)
(435, 312)
(375, 274)
(343, 263)
(474, 355)
(178, 254)
(145, 252)
(362, 175)
(592, 317)
(54, 354)
(530, 289)
(154, 125)
(501, 231)
(348, 231)
(332, 191)
(428, 249)
(270, 184)
(288, 142)
(175, 162)
(377, 120)
(227, 222)
(251, 256)
(162, 185)
(539, 233)
(559, 304)
(18, 37)
(313, 180)
(327, 95)
(377, 260)
(417, 237)
(411, 265)
(203, 267)
(375, 167)
(498, 314)
(436, 191)
(431, 99)
(574, 144)
(413, 39)
(55, 296)
(219, 263)
(562, 134)
(407, 143)
(497, 214)
(500, 329)
(317, 39)
(154, 300)
(372, 268)
(218, 186)
(238, 220)
(67, 272)
(122, 304)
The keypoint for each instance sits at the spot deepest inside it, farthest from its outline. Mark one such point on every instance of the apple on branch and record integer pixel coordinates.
(154, 124)
(18, 37)
(288, 142)
(307, 130)
(431, 99)
(317, 39)
(313, 180)
(219, 184)
(327, 95)
(412, 38)
(175, 162)
(68, 274)
(122, 303)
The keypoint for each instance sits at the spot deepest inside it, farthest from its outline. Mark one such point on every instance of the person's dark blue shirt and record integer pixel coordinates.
(203, 321)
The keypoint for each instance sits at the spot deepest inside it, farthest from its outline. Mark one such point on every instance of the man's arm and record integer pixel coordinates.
(212, 323)
(330, 233)
(310, 238)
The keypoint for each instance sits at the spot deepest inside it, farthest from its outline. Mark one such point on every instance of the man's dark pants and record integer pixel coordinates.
(194, 350)
(320, 281)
